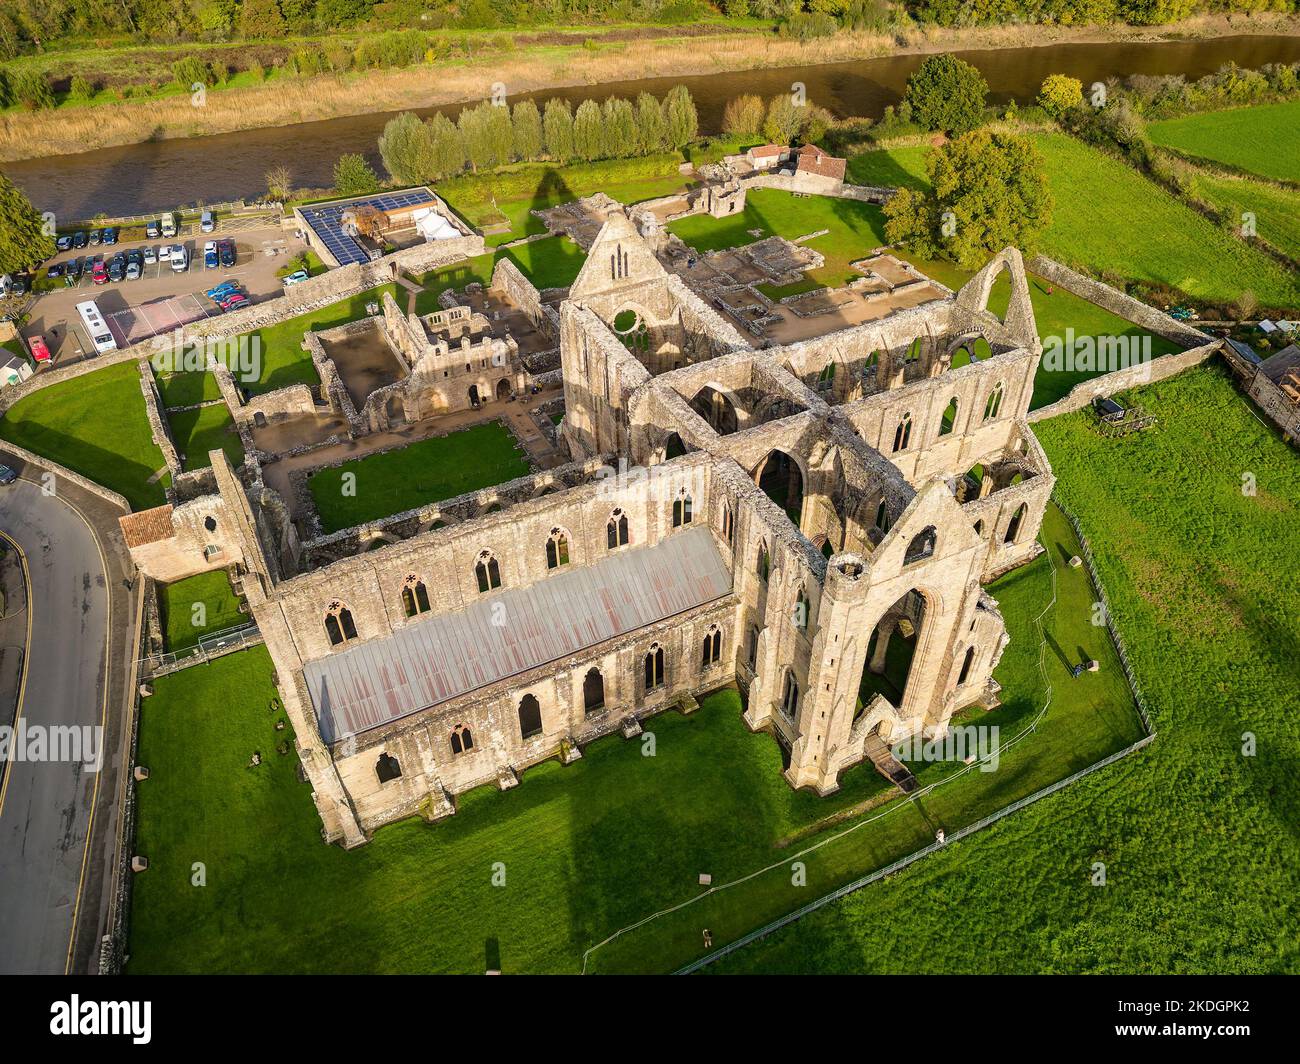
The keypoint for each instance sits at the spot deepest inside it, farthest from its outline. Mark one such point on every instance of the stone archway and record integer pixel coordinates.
(892, 651)
(782, 479)
(504, 389)
(475, 400)
(717, 408)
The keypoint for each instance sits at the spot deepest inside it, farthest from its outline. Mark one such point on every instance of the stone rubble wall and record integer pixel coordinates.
(158, 427)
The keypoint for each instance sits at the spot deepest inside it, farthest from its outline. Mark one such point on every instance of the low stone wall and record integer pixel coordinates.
(47, 377)
(1117, 302)
(817, 186)
(158, 426)
(31, 458)
(1107, 384)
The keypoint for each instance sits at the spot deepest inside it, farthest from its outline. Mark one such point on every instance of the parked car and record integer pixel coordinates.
(72, 272)
(297, 277)
(152, 229)
(99, 272)
(235, 302)
(210, 259)
(63, 243)
(207, 221)
(55, 270)
(20, 284)
(135, 255)
(96, 236)
(164, 252)
(117, 267)
(7, 475)
(226, 288)
(134, 271)
(180, 258)
(110, 235)
(40, 349)
(226, 250)
(150, 255)
(80, 240)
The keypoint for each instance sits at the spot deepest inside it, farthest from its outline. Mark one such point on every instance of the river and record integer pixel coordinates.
(140, 178)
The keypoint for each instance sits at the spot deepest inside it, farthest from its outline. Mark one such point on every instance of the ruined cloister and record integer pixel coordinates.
(733, 510)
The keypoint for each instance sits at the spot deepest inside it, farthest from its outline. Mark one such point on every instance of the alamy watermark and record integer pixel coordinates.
(1094, 354)
(966, 743)
(80, 744)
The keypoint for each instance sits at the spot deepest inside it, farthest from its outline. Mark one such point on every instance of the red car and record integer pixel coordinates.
(99, 274)
(40, 349)
(234, 302)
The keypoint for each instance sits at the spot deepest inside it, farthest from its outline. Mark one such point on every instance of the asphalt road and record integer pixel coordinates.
(45, 807)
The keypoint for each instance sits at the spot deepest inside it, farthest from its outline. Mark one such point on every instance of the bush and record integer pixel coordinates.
(808, 25)
(32, 90)
(1060, 94)
(353, 176)
(191, 71)
(81, 88)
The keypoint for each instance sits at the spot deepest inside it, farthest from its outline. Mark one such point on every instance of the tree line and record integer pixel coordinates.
(492, 135)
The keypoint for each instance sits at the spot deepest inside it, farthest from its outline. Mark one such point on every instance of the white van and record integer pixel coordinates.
(169, 225)
(180, 258)
(207, 221)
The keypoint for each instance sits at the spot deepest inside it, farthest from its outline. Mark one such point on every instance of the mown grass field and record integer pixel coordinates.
(1261, 139)
(1199, 841)
(1109, 217)
(589, 848)
(1276, 209)
(96, 426)
(183, 625)
(424, 472)
(201, 430)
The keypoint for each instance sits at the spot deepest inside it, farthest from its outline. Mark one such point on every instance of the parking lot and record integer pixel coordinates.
(162, 299)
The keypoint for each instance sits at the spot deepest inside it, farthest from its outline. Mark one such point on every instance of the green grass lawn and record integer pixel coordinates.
(96, 426)
(1109, 217)
(187, 388)
(424, 472)
(1276, 209)
(1259, 139)
(203, 429)
(589, 848)
(183, 626)
(1199, 841)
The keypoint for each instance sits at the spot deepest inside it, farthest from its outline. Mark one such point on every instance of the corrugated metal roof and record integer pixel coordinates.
(506, 633)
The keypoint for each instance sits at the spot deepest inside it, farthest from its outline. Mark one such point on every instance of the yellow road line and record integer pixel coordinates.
(27, 652)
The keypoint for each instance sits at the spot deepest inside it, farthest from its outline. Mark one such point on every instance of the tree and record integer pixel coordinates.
(680, 117)
(947, 94)
(588, 131)
(446, 147)
(651, 130)
(404, 147)
(81, 88)
(1060, 94)
(743, 116)
(23, 239)
(557, 126)
(500, 132)
(472, 124)
(353, 176)
(987, 190)
(32, 90)
(528, 130)
(261, 18)
(620, 135)
(279, 183)
(784, 120)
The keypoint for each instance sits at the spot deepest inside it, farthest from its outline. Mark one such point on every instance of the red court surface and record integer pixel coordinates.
(162, 316)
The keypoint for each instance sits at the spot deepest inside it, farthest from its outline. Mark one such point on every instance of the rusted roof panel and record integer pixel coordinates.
(511, 631)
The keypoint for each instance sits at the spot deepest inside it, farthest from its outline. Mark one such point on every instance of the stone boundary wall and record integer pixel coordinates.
(1117, 302)
(818, 187)
(158, 426)
(67, 474)
(47, 377)
(1107, 384)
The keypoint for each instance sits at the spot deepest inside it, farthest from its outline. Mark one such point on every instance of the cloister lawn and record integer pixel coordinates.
(203, 429)
(1259, 139)
(96, 426)
(423, 472)
(587, 849)
(220, 609)
(1199, 842)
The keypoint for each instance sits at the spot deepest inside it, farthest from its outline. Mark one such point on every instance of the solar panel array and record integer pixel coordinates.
(325, 221)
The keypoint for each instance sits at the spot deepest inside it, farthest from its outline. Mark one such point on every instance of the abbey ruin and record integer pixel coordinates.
(761, 493)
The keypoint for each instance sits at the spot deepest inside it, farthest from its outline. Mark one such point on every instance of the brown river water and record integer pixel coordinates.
(140, 178)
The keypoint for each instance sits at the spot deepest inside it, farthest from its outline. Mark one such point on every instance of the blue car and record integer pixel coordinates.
(222, 291)
(110, 236)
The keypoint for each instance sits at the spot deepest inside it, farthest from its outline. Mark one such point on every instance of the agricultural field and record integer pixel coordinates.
(591, 847)
(183, 625)
(96, 426)
(424, 472)
(1197, 837)
(1259, 140)
(1275, 208)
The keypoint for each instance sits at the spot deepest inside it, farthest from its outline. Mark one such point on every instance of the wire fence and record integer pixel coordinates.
(209, 647)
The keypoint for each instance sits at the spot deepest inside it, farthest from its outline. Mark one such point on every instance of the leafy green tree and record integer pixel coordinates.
(947, 94)
(500, 134)
(743, 116)
(472, 124)
(620, 129)
(528, 130)
(261, 18)
(680, 117)
(447, 147)
(557, 125)
(81, 88)
(588, 131)
(783, 121)
(1060, 94)
(651, 130)
(353, 176)
(987, 190)
(192, 71)
(405, 148)
(32, 90)
(6, 88)
(23, 239)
